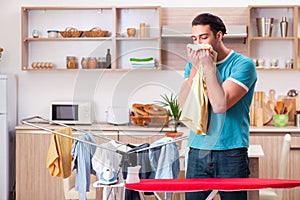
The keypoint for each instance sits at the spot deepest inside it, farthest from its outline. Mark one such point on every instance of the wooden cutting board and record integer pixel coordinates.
(267, 113)
(261, 112)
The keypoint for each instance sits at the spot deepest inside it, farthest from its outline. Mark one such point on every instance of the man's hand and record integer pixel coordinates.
(199, 57)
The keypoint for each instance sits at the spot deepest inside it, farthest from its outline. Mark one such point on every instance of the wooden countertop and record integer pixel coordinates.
(110, 127)
(94, 127)
(273, 129)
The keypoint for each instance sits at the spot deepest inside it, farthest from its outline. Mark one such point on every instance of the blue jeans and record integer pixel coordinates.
(232, 163)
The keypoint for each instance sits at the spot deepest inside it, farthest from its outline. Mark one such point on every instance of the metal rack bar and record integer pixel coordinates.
(26, 121)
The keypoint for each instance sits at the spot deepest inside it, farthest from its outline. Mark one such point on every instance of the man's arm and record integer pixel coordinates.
(186, 87)
(221, 96)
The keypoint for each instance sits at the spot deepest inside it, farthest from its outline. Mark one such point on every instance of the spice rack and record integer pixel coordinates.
(113, 19)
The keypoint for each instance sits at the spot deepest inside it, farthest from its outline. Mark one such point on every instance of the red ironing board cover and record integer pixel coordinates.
(197, 184)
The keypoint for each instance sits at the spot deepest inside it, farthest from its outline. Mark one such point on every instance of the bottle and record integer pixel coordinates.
(283, 27)
(142, 29)
(102, 62)
(108, 59)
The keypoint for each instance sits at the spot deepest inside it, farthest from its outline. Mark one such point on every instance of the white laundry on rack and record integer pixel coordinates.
(107, 159)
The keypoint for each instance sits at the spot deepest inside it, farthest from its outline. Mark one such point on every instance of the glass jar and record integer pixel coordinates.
(102, 62)
(84, 62)
(71, 62)
(92, 63)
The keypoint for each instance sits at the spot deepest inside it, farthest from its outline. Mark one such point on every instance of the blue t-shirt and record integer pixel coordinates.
(229, 130)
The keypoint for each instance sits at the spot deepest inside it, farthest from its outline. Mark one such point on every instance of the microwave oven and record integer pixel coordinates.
(71, 112)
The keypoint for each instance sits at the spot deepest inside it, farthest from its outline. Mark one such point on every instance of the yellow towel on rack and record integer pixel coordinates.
(195, 110)
(59, 157)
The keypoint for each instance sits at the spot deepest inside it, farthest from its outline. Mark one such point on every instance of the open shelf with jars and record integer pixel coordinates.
(40, 46)
(273, 36)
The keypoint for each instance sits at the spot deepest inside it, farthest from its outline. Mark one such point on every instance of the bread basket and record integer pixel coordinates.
(155, 120)
(95, 32)
(71, 32)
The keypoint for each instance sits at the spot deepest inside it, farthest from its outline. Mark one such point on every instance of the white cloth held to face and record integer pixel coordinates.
(195, 110)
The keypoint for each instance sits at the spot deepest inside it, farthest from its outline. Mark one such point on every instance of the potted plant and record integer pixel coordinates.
(174, 113)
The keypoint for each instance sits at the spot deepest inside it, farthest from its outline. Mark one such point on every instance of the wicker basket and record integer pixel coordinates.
(95, 32)
(71, 32)
(154, 120)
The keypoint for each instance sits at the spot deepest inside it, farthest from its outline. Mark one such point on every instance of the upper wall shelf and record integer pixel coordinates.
(115, 20)
(266, 43)
(233, 31)
(68, 39)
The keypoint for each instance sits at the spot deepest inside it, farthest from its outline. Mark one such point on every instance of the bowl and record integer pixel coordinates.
(280, 120)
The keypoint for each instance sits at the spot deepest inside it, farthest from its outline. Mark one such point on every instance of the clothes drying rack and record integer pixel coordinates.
(35, 121)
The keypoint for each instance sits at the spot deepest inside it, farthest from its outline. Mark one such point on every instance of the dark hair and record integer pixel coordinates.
(215, 23)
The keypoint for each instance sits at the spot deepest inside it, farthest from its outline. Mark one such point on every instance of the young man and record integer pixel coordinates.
(230, 84)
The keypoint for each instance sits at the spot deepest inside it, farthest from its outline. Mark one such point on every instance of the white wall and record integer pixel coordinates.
(37, 89)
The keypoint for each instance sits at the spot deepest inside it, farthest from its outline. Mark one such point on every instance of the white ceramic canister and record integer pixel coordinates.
(52, 33)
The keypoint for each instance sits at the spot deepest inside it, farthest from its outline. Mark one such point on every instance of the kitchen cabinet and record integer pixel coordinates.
(33, 180)
(294, 168)
(32, 177)
(271, 140)
(115, 20)
(267, 48)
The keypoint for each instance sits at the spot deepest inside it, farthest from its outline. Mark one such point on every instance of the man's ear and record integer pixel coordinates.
(220, 36)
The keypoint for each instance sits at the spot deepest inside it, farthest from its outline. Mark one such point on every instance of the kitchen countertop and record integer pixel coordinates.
(111, 127)
(96, 127)
(272, 129)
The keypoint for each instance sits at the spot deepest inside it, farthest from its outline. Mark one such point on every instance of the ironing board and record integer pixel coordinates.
(214, 184)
